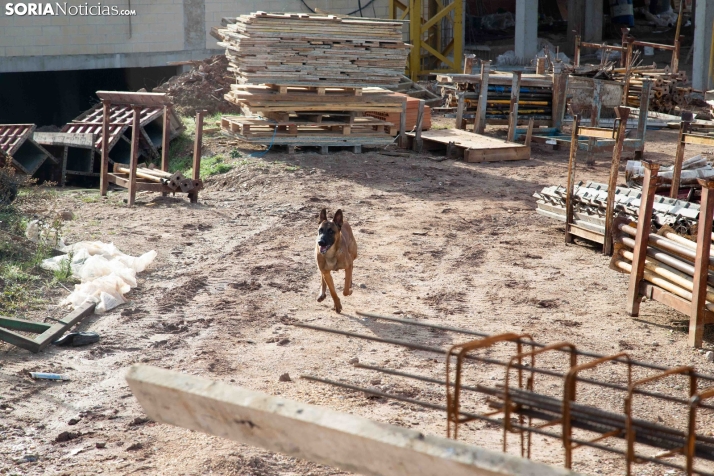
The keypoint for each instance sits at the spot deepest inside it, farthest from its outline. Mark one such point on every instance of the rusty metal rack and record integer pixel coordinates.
(525, 409)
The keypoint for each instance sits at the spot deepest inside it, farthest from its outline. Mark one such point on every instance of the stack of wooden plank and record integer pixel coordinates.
(313, 50)
(309, 80)
(395, 117)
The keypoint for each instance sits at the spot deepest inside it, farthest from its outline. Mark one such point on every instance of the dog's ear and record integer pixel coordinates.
(323, 215)
(337, 219)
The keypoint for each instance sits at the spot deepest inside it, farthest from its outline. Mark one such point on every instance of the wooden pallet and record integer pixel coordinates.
(319, 90)
(255, 127)
(473, 147)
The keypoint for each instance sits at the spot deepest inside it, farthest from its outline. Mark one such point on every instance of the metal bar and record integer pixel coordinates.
(534, 344)
(684, 127)
(165, 139)
(418, 144)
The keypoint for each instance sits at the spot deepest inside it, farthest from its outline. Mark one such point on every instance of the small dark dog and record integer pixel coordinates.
(336, 248)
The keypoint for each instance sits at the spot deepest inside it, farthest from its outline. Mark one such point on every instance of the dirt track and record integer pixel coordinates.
(452, 242)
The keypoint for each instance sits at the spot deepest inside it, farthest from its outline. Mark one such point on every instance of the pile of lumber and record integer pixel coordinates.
(309, 80)
(412, 112)
(313, 50)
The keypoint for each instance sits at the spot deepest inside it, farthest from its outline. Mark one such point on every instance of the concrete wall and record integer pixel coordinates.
(162, 31)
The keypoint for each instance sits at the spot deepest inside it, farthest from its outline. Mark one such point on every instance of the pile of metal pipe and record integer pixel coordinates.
(669, 263)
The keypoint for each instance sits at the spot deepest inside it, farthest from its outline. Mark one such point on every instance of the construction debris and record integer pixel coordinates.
(313, 50)
(201, 88)
(693, 169)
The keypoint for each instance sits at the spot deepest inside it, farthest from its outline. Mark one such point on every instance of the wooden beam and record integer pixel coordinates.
(317, 434)
(104, 169)
(480, 119)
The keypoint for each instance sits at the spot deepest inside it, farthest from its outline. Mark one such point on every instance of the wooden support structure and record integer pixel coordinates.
(650, 183)
(104, 174)
(694, 303)
(134, 155)
(313, 433)
(513, 113)
(618, 137)
(480, 119)
(623, 113)
(46, 332)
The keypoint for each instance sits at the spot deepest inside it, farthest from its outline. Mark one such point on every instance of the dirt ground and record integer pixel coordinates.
(456, 243)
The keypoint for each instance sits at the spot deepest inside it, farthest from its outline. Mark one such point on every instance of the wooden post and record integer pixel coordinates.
(134, 158)
(628, 70)
(529, 133)
(403, 125)
(576, 54)
(701, 264)
(480, 119)
(469, 63)
(560, 84)
(460, 111)
(622, 114)
(540, 66)
(418, 144)
(679, 158)
(644, 226)
(642, 120)
(625, 34)
(314, 433)
(197, 145)
(571, 179)
(595, 112)
(515, 95)
(104, 174)
(165, 139)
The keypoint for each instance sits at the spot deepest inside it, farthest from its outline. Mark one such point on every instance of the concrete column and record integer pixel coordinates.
(526, 28)
(592, 26)
(703, 26)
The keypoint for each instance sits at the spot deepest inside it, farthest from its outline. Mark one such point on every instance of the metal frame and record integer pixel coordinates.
(428, 52)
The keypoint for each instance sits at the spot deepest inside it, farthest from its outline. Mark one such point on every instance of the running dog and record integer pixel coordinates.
(336, 248)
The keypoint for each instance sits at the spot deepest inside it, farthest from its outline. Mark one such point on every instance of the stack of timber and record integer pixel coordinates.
(309, 80)
(313, 50)
(412, 113)
(535, 98)
(589, 207)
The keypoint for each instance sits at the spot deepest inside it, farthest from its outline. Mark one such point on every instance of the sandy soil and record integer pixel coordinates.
(455, 243)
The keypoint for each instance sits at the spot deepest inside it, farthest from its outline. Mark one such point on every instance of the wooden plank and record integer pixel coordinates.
(480, 119)
(134, 98)
(65, 139)
(596, 132)
(317, 434)
(586, 234)
(497, 155)
(697, 139)
(658, 294)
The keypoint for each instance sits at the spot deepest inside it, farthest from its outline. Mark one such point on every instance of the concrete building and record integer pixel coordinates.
(161, 31)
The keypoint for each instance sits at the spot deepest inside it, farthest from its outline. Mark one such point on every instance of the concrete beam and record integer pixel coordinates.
(314, 433)
(703, 28)
(526, 29)
(592, 23)
(20, 64)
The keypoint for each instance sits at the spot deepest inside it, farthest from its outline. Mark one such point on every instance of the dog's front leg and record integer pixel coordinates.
(323, 286)
(331, 284)
(348, 281)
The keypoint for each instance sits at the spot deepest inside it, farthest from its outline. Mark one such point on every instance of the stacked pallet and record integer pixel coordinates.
(308, 80)
(395, 117)
(314, 50)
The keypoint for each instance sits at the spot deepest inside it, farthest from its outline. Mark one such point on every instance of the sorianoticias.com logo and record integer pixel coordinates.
(55, 9)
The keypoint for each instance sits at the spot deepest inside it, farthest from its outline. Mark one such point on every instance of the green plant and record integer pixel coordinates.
(64, 273)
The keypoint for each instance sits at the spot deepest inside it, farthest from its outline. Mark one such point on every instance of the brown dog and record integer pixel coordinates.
(336, 248)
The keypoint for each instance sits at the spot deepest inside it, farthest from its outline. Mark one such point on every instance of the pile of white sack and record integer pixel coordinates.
(106, 274)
